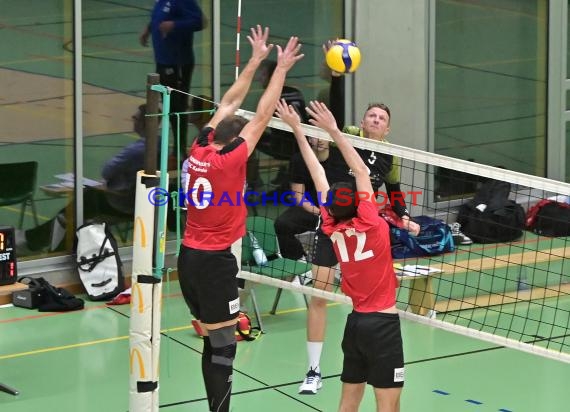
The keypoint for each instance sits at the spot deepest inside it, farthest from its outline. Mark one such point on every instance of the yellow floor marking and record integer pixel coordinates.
(125, 337)
(81, 345)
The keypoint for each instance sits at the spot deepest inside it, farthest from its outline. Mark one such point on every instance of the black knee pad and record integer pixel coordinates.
(223, 343)
(207, 351)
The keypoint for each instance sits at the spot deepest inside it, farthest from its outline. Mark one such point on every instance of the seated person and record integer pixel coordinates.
(280, 144)
(384, 168)
(119, 173)
(117, 197)
(305, 216)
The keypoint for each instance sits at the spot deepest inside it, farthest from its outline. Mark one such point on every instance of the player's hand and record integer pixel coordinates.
(288, 114)
(326, 47)
(287, 57)
(412, 227)
(143, 37)
(321, 116)
(166, 27)
(258, 41)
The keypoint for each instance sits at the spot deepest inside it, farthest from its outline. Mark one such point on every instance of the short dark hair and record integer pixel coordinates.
(342, 200)
(379, 106)
(229, 128)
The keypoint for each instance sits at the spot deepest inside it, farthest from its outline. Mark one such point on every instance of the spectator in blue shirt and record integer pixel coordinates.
(172, 26)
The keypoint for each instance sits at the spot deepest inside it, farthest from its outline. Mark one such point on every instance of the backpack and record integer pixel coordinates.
(434, 238)
(549, 218)
(244, 329)
(98, 261)
(491, 216)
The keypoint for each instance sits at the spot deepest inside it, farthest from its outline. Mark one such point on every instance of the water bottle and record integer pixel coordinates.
(258, 253)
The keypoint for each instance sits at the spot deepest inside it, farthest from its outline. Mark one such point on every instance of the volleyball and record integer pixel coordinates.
(343, 56)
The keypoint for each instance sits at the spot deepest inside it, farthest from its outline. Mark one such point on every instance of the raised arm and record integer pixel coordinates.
(336, 91)
(323, 118)
(233, 98)
(286, 59)
(290, 116)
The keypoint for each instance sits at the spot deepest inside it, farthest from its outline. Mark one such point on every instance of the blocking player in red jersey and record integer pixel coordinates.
(217, 167)
(372, 342)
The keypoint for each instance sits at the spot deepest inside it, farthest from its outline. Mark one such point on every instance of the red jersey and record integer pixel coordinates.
(362, 247)
(216, 211)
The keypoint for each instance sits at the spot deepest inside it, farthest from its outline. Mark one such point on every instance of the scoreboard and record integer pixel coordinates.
(8, 270)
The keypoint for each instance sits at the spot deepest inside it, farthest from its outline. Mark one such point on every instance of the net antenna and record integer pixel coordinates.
(149, 238)
(512, 293)
(238, 34)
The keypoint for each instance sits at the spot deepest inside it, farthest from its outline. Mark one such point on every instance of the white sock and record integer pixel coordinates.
(314, 350)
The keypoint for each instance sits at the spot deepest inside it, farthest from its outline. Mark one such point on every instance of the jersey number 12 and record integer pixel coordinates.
(359, 253)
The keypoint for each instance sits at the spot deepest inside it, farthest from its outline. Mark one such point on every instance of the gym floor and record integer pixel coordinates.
(78, 361)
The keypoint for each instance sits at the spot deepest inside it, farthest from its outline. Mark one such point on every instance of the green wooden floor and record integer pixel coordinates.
(79, 362)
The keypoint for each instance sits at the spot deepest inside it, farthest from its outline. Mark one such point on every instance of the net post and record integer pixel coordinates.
(151, 124)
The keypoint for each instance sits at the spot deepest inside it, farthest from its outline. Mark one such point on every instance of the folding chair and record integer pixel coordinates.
(18, 185)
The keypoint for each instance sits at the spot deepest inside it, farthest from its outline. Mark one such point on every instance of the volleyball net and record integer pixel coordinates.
(512, 292)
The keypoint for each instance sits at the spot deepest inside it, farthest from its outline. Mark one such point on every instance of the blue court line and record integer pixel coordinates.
(474, 402)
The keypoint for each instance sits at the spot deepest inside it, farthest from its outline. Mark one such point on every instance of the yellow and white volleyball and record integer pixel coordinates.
(343, 56)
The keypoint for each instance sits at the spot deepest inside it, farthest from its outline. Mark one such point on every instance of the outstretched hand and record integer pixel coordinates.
(287, 57)
(326, 47)
(288, 114)
(321, 116)
(258, 41)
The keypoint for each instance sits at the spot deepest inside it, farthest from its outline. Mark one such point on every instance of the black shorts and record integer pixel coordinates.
(323, 251)
(209, 284)
(373, 352)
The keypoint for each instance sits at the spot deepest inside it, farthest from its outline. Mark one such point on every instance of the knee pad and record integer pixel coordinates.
(207, 351)
(223, 343)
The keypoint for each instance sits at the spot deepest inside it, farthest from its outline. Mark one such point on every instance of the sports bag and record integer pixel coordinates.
(98, 262)
(491, 217)
(549, 218)
(45, 297)
(434, 238)
(244, 330)
(57, 299)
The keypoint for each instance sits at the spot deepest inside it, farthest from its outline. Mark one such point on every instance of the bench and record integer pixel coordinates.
(423, 300)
